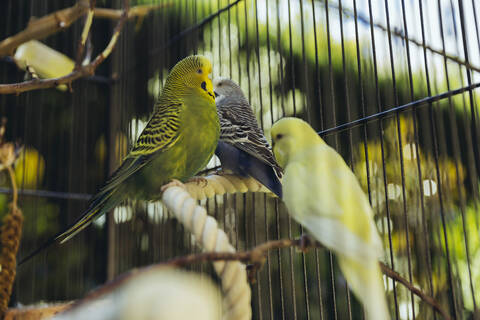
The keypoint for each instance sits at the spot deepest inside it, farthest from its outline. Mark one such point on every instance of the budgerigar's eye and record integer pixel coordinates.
(279, 136)
(199, 71)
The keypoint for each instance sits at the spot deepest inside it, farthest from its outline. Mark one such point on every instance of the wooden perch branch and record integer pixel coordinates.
(79, 72)
(43, 27)
(426, 298)
(136, 11)
(255, 256)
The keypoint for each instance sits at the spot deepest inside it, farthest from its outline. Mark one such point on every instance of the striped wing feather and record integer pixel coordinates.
(160, 134)
(239, 127)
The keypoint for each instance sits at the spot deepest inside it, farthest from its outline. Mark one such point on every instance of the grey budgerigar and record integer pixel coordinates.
(242, 147)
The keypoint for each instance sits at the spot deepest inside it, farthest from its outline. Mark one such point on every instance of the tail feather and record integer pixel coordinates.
(244, 164)
(81, 224)
(266, 175)
(66, 235)
(98, 206)
(366, 281)
(32, 254)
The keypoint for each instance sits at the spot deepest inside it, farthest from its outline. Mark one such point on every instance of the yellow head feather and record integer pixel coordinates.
(290, 136)
(191, 73)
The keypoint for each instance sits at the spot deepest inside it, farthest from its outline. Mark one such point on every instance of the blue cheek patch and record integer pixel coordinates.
(204, 87)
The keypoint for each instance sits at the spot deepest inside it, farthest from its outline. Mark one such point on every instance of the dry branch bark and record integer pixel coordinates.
(136, 11)
(40, 28)
(35, 312)
(257, 257)
(59, 20)
(79, 72)
(43, 27)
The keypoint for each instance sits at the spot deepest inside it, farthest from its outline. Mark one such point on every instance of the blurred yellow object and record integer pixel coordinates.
(30, 168)
(47, 62)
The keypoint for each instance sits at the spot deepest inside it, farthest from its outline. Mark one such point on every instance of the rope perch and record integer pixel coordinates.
(201, 188)
(181, 200)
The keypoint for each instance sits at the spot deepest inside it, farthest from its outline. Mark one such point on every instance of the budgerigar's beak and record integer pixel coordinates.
(215, 93)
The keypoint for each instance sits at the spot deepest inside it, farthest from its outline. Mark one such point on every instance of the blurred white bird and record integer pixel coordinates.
(158, 294)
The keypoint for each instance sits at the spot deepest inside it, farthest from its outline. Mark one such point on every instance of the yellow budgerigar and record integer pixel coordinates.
(324, 196)
(178, 141)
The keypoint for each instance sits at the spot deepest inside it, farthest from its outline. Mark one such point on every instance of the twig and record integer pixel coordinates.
(42, 27)
(255, 256)
(85, 32)
(136, 11)
(59, 20)
(394, 275)
(80, 72)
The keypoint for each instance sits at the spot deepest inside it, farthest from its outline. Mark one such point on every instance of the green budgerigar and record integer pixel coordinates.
(323, 195)
(177, 142)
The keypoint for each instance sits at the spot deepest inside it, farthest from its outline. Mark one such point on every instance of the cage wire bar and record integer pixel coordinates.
(391, 85)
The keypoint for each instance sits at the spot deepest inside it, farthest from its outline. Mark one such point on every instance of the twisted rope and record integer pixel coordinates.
(181, 200)
(201, 188)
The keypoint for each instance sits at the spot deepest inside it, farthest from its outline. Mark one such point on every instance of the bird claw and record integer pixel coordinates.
(252, 270)
(306, 242)
(199, 180)
(221, 172)
(173, 183)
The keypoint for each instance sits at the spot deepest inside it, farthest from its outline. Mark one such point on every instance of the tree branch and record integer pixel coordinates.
(256, 257)
(426, 298)
(42, 27)
(136, 11)
(79, 72)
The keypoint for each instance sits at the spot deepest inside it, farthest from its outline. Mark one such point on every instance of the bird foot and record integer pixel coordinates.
(199, 180)
(306, 242)
(173, 183)
(220, 172)
(252, 270)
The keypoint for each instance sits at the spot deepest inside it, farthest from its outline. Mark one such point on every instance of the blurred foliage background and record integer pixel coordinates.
(329, 62)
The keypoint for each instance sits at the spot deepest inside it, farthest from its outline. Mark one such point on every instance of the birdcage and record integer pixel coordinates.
(391, 85)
